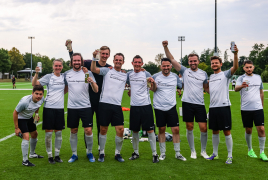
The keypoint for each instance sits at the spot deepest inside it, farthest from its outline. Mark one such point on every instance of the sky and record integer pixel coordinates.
(132, 27)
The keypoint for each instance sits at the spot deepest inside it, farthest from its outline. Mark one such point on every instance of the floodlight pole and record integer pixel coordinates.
(31, 37)
(181, 38)
(215, 52)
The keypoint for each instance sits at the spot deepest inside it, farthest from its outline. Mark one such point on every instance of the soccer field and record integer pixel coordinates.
(243, 167)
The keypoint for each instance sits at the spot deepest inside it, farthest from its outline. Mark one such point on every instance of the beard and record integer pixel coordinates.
(216, 69)
(166, 72)
(249, 73)
(78, 67)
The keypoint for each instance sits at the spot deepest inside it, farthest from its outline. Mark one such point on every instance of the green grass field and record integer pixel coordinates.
(243, 167)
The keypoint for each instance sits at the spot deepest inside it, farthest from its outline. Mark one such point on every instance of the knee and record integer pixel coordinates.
(189, 127)
(227, 133)
(26, 136)
(162, 130)
(249, 130)
(74, 130)
(175, 130)
(261, 130)
(88, 131)
(103, 130)
(33, 135)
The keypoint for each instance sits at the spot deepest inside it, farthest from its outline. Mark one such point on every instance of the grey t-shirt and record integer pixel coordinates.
(250, 96)
(193, 82)
(78, 96)
(113, 86)
(26, 107)
(55, 90)
(219, 89)
(140, 95)
(165, 95)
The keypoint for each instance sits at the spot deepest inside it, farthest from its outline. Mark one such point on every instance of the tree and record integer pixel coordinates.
(5, 63)
(225, 57)
(158, 58)
(202, 66)
(185, 61)
(16, 59)
(151, 67)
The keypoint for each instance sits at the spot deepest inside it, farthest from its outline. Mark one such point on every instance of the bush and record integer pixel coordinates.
(264, 76)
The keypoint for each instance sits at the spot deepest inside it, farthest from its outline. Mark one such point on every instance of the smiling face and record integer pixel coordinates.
(137, 63)
(104, 55)
(193, 62)
(166, 67)
(216, 65)
(57, 67)
(248, 68)
(37, 95)
(118, 61)
(77, 62)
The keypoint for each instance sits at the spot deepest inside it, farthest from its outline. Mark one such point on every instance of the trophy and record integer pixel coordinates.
(69, 44)
(97, 58)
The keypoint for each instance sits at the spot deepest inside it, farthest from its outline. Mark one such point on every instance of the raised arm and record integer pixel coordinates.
(175, 64)
(94, 68)
(35, 81)
(235, 64)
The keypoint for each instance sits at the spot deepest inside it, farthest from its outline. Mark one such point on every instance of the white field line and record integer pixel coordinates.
(16, 84)
(18, 89)
(13, 134)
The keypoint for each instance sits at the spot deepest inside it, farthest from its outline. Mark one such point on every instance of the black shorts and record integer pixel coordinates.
(248, 117)
(141, 116)
(220, 118)
(110, 113)
(85, 114)
(194, 111)
(26, 125)
(169, 118)
(53, 119)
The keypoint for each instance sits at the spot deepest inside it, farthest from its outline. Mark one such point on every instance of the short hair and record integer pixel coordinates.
(58, 60)
(247, 62)
(137, 57)
(215, 57)
(38, 88)
(76, 54)
(192, 55)
(105, 48)
(120, 54)
(165, 59)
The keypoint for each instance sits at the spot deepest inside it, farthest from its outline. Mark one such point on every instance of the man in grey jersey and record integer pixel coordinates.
(219, 108)
(165, 107)
(141, 113)
(79, 106)
(193, 107)
(23, 121)
(110, 110)
(252, 96)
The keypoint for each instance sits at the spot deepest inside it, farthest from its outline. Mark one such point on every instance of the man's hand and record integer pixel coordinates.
(85, 70)
(244, 84)
(123, 71)
(235, 49)
(179, 92)
(142, 69)
(165, 43)
(129, 93)
(95, 53)
(37, 69)
(17, 131)
(150, 79)
(110, 67)
(90, 80)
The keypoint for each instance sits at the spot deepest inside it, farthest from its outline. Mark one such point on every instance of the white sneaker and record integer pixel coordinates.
(180, 157)
(204, 154)
(162, 157)
(193, 155)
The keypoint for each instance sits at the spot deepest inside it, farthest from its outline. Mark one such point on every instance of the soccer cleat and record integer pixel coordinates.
(162, 157)
(101, 158)
(155, 158)
(252, 154)
(35, 156)
(212, 157)
(204, 154)
(180, 157)
(90, 157)
(73, 158)
(51, 160)
(134, 156)
(193, 155)
(263, 157)
(58, 159)
(119, 158)
(27, 163)
(229, 160)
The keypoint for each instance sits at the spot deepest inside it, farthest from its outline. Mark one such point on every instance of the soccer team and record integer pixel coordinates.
(102, 94)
